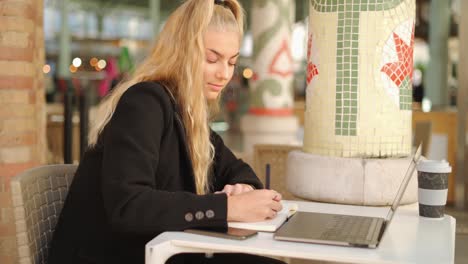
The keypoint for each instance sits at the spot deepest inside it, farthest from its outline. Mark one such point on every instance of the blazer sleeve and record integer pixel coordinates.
(131, 143)
(228, 169)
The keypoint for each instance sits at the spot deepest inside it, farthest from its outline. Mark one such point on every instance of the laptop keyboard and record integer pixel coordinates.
(350, 229)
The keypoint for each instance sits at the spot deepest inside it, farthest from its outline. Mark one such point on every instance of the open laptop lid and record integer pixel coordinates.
(409, 173)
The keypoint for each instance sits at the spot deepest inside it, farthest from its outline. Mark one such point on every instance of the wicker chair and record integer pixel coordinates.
(38, 196)
(276, 156)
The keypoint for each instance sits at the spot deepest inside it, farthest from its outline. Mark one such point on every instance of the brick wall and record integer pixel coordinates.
(22, 104)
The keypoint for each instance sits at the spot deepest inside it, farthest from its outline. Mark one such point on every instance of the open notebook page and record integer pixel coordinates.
(269, 225)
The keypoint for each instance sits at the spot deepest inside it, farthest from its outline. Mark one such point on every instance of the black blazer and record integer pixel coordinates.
(138, 182)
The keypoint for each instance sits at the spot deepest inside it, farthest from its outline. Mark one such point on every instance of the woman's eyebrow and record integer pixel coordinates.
(221, 55)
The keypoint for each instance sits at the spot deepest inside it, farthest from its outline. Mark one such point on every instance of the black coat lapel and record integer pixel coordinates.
(179, 125)
(183, 140)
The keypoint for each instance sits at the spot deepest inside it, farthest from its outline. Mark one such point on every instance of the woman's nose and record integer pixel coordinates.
(223, 71)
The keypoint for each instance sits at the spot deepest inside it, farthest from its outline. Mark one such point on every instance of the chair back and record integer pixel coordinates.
(38, 195)
(277, 156)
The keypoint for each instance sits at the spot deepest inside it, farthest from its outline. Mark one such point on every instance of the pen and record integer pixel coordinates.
(267, 176)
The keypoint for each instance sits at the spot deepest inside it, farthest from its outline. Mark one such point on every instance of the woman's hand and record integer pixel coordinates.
(253, 206)
(236, 189)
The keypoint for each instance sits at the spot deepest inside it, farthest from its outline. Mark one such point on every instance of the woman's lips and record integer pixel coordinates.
(215, 87)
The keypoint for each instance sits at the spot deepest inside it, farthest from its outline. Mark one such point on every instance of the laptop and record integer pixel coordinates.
(344, 230)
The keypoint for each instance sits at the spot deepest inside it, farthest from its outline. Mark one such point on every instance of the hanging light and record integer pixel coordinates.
(102, 64)
(46, 68)
(247, 73)
(73, 69)
(93, 62)
(77, 62)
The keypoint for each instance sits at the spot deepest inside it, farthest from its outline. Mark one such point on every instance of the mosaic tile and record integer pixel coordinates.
(270, 86)
(348, 40)
(362, 110)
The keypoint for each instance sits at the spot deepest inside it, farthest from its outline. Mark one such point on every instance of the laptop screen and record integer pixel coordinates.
(414, 161)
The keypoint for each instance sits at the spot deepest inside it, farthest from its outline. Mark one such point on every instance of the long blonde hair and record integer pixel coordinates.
(177, 60)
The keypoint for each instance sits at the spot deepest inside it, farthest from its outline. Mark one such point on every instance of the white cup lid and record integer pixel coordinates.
(436, 166)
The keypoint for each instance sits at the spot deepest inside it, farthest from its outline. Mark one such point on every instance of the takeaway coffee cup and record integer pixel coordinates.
(432, 187)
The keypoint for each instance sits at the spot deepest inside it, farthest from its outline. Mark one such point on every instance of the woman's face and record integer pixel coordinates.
(221, 54)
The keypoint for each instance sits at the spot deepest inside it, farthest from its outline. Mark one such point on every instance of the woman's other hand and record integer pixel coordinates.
(236, 189)
(253, 206)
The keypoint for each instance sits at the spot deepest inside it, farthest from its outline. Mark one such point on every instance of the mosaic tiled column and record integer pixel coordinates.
(360, 66)
(359, 96)
(270, 118)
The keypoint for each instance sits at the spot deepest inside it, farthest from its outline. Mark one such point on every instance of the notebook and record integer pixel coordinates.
(269, 225)
(344, 230)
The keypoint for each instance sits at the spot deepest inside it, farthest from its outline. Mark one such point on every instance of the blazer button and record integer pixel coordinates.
(199, 215)
(210, 213)
(188, 217)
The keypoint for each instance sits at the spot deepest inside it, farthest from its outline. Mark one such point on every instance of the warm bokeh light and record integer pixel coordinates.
(248, 73)
(102, 64)
(93, 61)
(77, 62)
(73, 69)
(46, 68)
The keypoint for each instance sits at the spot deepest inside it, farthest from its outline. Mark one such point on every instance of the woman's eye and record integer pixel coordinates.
(233, 63)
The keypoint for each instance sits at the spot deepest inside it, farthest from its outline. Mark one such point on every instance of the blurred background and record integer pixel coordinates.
(90, 45)
(107, 38)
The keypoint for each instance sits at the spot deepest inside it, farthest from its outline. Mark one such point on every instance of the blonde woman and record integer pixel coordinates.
(153, 164)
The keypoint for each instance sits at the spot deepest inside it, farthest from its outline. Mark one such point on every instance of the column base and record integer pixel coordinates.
(268, 130)
(353, 181)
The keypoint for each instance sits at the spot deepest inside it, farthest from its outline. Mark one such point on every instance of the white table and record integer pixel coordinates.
(409, 239)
